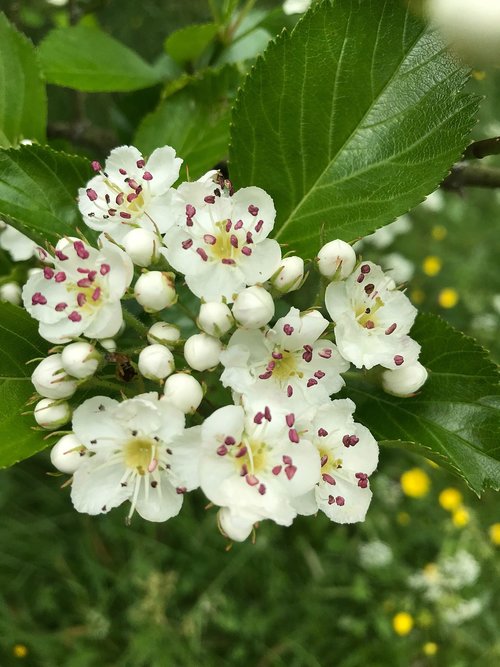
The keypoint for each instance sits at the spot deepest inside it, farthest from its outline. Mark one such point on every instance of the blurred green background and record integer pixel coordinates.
(416, 584)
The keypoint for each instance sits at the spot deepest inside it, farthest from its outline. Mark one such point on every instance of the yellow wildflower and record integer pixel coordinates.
(450, 499)
(460, 517)
(495, 534)
(448, 297)
(439, 232)
(430, 648)
(417, 296)
(479, 74)
(402, 623)
(431, 265)
(19, 651)
(415, 483)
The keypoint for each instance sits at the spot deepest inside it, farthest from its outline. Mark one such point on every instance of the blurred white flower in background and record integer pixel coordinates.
(375, 554)
(296, 6)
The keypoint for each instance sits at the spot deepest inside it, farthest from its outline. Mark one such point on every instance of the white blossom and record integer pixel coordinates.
(50, 379)
(51, 414)
(375, 554)
(183, 391)
(202, 351)
(290, 275)
(296, 6)
(255, 460)
(155, 290)
(130, 192)
(348, 454)
(215, 318)
(142, 246)
(68, 454)
(253, 307)
(291, 358)
(336, 259)
(80, 360)
(80, 294)
(404, 381)
(232, 526)
(11, 292)
(17, 244)
(165, 333)
(140, 454)
(372, 319)
(156, 362)
(219, 241)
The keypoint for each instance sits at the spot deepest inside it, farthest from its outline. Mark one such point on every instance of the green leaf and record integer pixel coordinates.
(455, 418)
(87, 59)
(38, 191)
(195, 121)
(349, 121)
(187, 44)
(23, 101)
(19, 343)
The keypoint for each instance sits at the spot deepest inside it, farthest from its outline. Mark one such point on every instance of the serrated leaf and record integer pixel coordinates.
(455, 418)
(38, 190)
(195, 121)
(187, 44)
(19, 343)
(349, 121)
(87, 59)
(23, 101)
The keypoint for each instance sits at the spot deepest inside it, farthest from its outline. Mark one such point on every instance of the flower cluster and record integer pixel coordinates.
(239, 398)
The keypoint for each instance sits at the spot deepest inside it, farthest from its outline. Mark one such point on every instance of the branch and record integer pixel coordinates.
(466, 175)
(480, 149)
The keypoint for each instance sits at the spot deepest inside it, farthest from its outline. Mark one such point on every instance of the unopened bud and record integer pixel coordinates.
(253, 307)
(336, 259)
(404, 381)
(155, 290)
(109, 344)
(290, 275)
(11, 292)
(67, 454)
(142, 246)
(52, 414)
(164, 333)
(215, 318)
(156, 362)
(202, 351)
(80, 360)
(50, 379)
(183, 391)
(234, 527)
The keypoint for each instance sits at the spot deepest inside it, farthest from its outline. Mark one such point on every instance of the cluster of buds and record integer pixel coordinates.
(224, 386)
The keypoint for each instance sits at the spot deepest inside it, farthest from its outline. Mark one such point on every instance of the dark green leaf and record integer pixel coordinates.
(23, 102)
(38, 191)
(87, 59)
(195, 121)
(349, 121)
(187, 44)
(19, 343)
(455, 418)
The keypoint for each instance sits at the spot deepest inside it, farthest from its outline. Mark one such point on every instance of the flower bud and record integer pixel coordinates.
(202, 351)
(155, 290)
(165, 333)
(184, 392)
(11, 292)
(109, 344)
(142, 245)
(67, 454)
(290, 275)
(253, 307)
(156, 362)
(80, 360)
(215, 318)
(404, 381)
(50, 379)
(234, 527)
(336, 259)
(52, 414)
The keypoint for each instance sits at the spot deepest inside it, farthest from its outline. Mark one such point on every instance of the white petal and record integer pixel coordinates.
(106, 322)
(186, 450)
(158, 503)
(94, 420)
(259, 199)
(355, 500)
(164, 167)
(262, 263)
(215, 282)
(96, 486)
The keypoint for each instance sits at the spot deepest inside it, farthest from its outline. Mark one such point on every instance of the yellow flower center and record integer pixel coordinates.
(139, 452)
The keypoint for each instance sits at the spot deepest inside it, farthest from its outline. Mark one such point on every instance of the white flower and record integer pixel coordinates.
(404, 381)
(220, 239)
(253, 307)
(68, 454)
(138, 455)
(375, 554)
(462, 611)
(290, 275)
(80, 360)
(18, 245)
(202, 351)
(11, 292)
(435, 201)
(372, 319)
(336, 259)
(52, 414)
(460, 570)
(233, 526)
(164, 333)
(130, 192)
(142, 246)
(290, 358)
(348, 454)
(109, 344)
(215, 318)
(183, 391)
(255, 461)
(156, 362)
(398, 267)
(80, 294)
(384, 236)
(296, 6)
(50, 379)
(155, 290)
